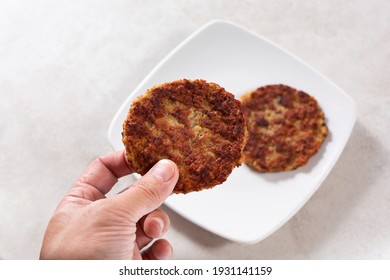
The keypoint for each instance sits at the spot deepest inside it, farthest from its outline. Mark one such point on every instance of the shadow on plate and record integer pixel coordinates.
(196, 233)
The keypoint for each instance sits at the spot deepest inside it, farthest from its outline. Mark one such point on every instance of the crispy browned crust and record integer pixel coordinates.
(196, 124)
(286, 127)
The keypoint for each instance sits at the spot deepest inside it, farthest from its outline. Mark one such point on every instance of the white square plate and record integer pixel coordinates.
(250, 205)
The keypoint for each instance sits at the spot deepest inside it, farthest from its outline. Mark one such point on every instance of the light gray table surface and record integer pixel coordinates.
(67, 66)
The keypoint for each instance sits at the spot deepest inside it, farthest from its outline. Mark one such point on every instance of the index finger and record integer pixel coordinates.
(102, 174)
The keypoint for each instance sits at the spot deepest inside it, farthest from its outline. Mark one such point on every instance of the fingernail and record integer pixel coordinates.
(165, 254)
(160, 225)
(163, 170)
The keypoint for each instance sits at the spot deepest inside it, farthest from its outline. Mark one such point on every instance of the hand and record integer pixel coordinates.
(87, 225)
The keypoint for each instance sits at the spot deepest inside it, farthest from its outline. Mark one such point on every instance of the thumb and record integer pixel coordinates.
(149, 192)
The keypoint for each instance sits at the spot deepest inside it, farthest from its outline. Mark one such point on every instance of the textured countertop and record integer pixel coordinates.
(67, 66)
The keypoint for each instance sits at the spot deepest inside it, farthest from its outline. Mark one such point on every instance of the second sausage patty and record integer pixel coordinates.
(286, 128)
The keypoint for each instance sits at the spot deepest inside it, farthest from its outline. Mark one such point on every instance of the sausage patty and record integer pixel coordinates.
(286, 127)
(196, 124)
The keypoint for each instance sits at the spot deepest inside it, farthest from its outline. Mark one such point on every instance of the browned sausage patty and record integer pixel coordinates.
(196, 124)
(286, 127)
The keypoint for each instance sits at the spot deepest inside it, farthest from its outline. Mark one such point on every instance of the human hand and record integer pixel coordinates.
(87, 225)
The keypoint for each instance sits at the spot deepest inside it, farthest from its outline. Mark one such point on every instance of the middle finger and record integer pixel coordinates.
(151, 226)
